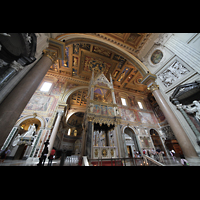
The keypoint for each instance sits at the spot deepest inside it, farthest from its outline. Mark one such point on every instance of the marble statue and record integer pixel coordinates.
(31, 131)
(194, 109)
(16, 140)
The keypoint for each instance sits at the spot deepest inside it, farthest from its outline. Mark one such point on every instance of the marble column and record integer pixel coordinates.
(83, 143)
(15, 102)
(182, 138)
(54, 131)
(121, 144)
(89, 138)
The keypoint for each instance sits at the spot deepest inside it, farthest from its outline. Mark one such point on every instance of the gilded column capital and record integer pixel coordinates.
(149, 81)
(153, 87)
(51, 54)
(60, 112)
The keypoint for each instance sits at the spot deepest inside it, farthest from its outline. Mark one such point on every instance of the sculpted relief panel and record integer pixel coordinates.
(173, 73)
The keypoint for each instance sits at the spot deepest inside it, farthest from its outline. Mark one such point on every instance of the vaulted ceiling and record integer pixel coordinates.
(81, 58)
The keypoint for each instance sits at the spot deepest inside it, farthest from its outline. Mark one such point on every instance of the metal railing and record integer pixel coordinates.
(140, 161)
(167, 161)
(117, 162)
(152, 162)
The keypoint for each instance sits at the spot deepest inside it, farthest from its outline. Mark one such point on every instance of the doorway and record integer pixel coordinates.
(156, 140)
(172, 144)
(130, 155)
(131, 133)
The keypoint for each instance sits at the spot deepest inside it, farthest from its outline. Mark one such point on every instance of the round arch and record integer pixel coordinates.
(75, 111)
(72, 90)
(32, 116)
(132, 134)
(155, 136)
(70, 38)
(125, 126)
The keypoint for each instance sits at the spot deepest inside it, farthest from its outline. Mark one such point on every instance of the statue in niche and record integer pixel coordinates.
(75, 132)
(117, 111)
(31, 131)
(194, 109)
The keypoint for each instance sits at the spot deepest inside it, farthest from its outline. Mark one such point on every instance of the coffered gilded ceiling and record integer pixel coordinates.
(132, 42)
(81, 58)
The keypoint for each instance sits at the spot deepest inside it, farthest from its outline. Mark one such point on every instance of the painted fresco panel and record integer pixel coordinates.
(104, 110)
(110, 110)
(56, 90)
(146, 118)
(127, 115)
(39, 103)
(96, 109)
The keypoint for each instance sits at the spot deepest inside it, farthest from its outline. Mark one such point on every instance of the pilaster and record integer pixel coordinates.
(185, 52)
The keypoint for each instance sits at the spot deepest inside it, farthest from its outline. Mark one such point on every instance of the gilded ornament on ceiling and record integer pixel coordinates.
(96, 64)
(101, 51)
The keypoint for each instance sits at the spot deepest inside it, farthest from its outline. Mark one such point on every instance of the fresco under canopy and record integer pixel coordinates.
(103, 95)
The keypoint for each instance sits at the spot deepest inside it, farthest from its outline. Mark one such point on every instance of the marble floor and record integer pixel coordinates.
(69, 161)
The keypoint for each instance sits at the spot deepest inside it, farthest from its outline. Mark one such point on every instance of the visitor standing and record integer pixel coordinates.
(153, 153)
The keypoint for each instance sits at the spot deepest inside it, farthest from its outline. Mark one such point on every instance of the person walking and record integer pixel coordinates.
(51, 156)
(144, 151)
(161, 157)
(4, 153)
(153, 153)
(184, 162)
(44, 154)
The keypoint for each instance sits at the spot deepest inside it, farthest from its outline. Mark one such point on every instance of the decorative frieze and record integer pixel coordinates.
(173, 73)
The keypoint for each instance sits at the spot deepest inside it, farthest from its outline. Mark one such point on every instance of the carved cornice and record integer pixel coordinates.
(67, 78)
(149, 79)
(55, 50)
(103, 119)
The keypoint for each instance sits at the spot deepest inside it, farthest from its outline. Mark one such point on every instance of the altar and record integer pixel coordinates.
(26, 140)
(101, 118)
(104, 152)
